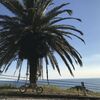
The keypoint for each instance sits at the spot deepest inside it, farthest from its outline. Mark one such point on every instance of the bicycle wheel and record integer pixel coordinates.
(39, 90)
(22, 89)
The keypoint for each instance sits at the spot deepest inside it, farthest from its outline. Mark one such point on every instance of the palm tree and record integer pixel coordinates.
(35, 34)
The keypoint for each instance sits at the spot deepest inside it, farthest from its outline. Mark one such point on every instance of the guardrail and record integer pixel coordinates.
(61, 83)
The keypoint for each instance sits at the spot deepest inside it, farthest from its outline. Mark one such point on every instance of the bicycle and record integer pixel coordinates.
(35, 88)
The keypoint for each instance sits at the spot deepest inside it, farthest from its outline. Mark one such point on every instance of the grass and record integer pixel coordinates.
(51, 90)
(5, 86)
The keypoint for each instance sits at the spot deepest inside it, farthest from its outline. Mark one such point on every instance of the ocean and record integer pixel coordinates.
(92, 84)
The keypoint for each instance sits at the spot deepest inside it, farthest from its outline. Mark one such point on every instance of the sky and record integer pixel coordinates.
(89, 12)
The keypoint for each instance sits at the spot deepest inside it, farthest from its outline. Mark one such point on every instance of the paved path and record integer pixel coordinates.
(5, 98)
(18, 96)
(47, 97)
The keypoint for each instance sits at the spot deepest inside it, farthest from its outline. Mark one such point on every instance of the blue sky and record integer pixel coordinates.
(89, 12)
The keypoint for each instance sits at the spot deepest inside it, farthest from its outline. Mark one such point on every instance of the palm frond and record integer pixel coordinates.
(66, 27)
(55, 63)
(56, 9)
(14, 6)
(46, 60)
(64, 59)
(51, 60)
(61, 19)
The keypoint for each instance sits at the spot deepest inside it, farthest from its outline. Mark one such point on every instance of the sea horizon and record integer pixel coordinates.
(92, 84)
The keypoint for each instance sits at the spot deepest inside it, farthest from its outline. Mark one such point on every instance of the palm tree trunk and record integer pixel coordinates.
(33, 71)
